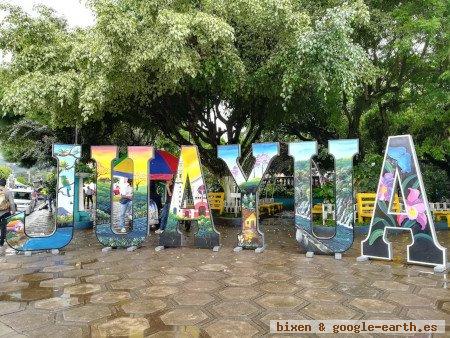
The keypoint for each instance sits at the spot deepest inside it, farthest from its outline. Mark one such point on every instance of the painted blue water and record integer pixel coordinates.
(140, 229)
(59, 239)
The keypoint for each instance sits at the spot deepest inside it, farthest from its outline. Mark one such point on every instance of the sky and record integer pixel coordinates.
(74, 11)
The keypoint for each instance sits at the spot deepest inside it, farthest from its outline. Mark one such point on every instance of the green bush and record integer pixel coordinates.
(5, 171)
(437, 183)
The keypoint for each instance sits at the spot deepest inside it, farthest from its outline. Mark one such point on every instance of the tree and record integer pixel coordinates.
(202, 72)
(408, 43)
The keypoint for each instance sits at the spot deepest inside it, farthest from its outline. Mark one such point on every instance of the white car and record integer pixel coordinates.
(24, 200)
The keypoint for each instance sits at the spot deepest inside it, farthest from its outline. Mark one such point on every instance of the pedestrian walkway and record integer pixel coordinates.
(201, 293)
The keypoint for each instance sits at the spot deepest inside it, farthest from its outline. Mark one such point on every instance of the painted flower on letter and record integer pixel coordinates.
(385, 188)
(415, 209)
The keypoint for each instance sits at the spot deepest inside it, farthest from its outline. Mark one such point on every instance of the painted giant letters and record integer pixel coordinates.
(104, 157)
(16, 236)
(250, 237)
(189, 168)
(400, 165)
(343, 152)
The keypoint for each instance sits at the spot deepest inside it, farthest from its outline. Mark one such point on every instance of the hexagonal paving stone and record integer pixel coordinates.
(428, 314)
(128, 284)
(17, 272)
(357, 290)
(436, 293)
(213, 267)
(82, 289)
(314, 283)
(144, 307)
(372, 305)
(276, 301)
(124, 326)
(167, 279)
(278, 287)
(184, 331)
(240, 281)
(207, 275)
(158, 291)
(243, 272)
(101, 279)
(9, 307)
(56, 303)
(9, 265)
(306, 271)
(200, 286)
(408, 299)
(247, 263)
(177, 270)
(27, 320)
(60, 331)
(419, 281)
(184, 316)
(445, 307)
(79, 273)
(112, 269)
(238, 293)
(327, 310)
(231, 328)
(110, 297)
(35, 277)
(321, 295)
(6, 331)
(12, 286)
(282, 315)
(144, 274)
(58, 268)
(390, 285)
(275, 276)
(86, 313)
(193, 298)
(57, 282)
(235, 309)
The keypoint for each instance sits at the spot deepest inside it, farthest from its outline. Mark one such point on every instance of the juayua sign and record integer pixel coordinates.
(400, 166)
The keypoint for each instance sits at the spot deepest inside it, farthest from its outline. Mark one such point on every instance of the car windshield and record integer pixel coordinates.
(21, 195)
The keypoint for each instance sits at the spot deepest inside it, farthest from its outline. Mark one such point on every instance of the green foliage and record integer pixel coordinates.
(171, 63)
(437, 183)
(22, 179)
(325, 192)
(5, 171)
(84, 168)
(367, 173)
(276, 190)
(50, 183)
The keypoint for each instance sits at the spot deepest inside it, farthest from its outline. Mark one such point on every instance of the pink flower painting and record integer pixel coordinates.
(415, 209)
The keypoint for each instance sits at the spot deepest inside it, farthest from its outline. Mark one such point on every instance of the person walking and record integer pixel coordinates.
(126, 197)
(165, 210)
(7, 208)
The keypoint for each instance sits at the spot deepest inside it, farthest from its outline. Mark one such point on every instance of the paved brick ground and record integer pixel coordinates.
(188, 292)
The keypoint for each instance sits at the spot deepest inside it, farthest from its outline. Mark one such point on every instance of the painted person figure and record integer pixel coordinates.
(89, 197)
(126, 197)
(165, 210)
(7, 208)
(66, 185)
